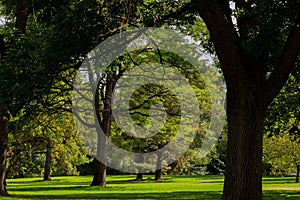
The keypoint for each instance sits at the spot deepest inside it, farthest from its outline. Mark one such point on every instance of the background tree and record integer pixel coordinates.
(282, 129)
(36, 55)
(257, 52)
(282, 114)
(29, 60)
(47, 144)
(282, 153)
(142, 13)
(21, 14)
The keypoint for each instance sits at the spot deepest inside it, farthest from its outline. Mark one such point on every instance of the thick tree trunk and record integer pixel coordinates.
(297, 175)
(243, 175)
(3, 150)
(47, 166)
(99, 178)
(249, 92)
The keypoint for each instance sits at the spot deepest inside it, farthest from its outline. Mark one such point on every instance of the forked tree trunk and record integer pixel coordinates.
(47, 167)
(249, 89)
(103, 126)
(243, 175)
(297, 174)
(3, 150)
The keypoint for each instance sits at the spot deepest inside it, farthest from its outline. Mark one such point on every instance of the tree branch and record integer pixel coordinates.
(23, 9)
(225, 39)
(287, 60)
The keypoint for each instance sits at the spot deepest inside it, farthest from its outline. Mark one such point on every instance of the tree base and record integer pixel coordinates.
(3, 192)
(95, 184)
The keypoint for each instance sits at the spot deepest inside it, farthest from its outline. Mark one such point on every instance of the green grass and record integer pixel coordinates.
(124, 187)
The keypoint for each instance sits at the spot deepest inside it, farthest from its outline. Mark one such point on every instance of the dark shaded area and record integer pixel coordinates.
(276, 180)
(207, 195)
(172, 195)
(216, 166)
(280, 194)
(113, 192)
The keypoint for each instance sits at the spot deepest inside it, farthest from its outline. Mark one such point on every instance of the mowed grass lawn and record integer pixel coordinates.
(124, 187)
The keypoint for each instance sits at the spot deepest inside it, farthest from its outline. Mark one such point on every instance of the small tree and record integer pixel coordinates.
(282, 153)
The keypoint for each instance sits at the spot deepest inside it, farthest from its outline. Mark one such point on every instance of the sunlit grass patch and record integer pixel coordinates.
(125, 187)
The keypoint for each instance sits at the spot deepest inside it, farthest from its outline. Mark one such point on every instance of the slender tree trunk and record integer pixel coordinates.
(243, 175)
(3, 149)
(158, 175)
(158, 171)
(3, 134)
(139, 176)
(100, 173)
(47, 166)
(297, 175)
(99, 178)
(139, 160)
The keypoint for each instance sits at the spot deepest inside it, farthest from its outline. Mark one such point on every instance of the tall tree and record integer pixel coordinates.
(134, 13)
(33, 61)
(4, 116)
(28, 65)
(257, 51)
(22, 11)
(282, 129)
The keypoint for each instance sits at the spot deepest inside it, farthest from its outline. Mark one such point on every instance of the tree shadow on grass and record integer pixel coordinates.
(80, 183)
(276, 180)
(33, 188)
(281, 194)
(108, 193)
(207, 195)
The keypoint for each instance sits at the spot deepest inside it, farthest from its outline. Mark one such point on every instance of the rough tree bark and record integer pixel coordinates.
(244, 148)
(249, 92)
